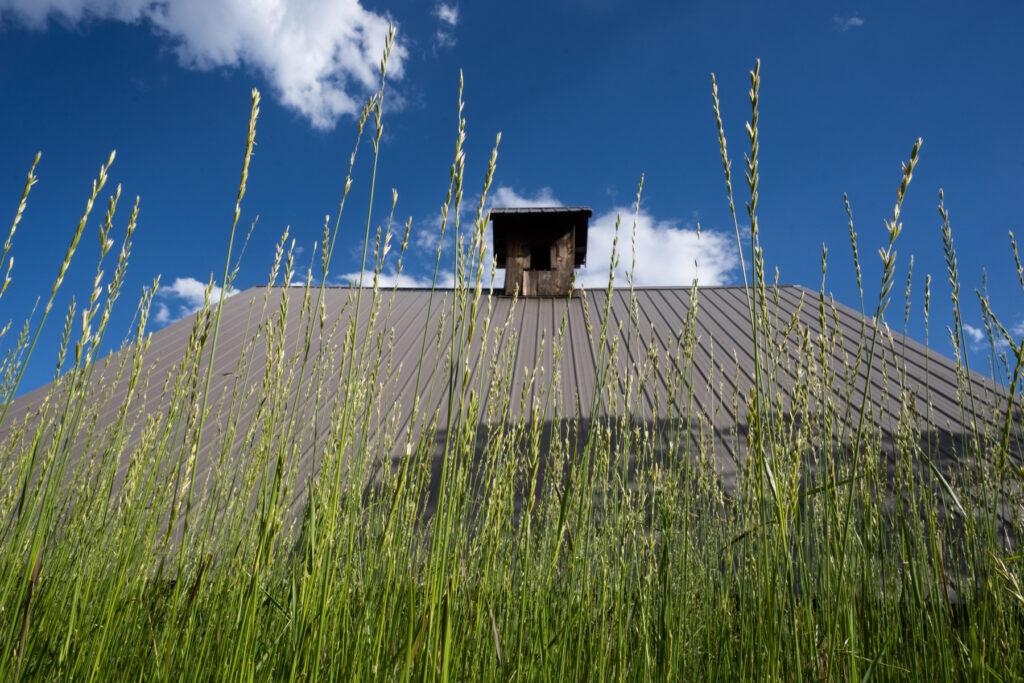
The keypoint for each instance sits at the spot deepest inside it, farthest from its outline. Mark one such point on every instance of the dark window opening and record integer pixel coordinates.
(540, 257)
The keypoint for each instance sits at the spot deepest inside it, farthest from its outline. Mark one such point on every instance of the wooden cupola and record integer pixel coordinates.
(539, 248)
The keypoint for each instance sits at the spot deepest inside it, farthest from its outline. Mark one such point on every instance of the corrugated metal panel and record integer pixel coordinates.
(648, 337)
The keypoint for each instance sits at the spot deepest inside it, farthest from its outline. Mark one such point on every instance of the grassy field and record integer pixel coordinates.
(825, 562)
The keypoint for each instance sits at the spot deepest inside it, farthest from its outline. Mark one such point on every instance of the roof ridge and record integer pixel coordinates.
(649, 288)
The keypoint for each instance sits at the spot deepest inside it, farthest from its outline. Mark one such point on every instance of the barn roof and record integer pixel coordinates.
(518, 346)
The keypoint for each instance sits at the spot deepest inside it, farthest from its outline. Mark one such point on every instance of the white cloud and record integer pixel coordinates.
(427, 238)
(447, 19)
(846, 23)
(403, 281)
(319, 56)
(447, 14)
(183, 297)
(507, 198)
(975, 335)
(162, 315)
(444, 38)
(666, 253)
(978, 340)
(427, 235)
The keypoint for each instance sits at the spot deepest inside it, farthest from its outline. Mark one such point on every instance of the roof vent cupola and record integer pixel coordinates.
(539, 248)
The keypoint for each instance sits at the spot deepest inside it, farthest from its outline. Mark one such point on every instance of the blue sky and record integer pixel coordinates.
(589, 94)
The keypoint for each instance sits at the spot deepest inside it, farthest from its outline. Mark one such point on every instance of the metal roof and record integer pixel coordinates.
(519, 343)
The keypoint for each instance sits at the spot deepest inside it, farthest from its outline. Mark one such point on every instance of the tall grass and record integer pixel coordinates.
(176, 538)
